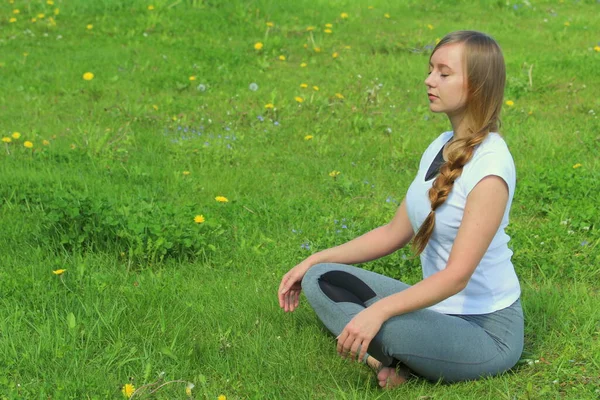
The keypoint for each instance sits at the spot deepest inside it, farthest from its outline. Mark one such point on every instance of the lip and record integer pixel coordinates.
(431, 96)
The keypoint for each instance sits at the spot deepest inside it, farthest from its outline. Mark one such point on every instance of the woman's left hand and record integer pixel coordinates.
(358, 333)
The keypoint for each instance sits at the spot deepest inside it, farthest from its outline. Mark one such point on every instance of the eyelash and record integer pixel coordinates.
(443, 75)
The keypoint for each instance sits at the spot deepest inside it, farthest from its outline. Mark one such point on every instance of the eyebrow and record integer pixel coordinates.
(441, 65)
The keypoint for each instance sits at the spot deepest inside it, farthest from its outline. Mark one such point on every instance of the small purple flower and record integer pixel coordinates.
(584, 243)
(344, 227)
(294, 231)
(305, 246)
(206, 144)
(227, 128)
(260, 118)
(276, 123)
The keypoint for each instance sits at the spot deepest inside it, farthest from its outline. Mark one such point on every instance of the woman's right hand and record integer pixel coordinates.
(291, 286)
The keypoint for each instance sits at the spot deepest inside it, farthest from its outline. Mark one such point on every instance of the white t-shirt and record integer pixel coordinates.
(494, 284)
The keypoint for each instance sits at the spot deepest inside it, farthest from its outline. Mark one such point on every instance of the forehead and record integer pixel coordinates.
(450, 55)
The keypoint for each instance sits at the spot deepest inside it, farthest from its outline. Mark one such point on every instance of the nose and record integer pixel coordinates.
(429, 80)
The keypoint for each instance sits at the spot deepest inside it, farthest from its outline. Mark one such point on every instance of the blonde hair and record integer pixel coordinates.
(486, 78)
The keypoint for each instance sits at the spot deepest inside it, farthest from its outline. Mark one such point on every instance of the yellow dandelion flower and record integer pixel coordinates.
(258, 46)
(386, 15)
(303, 65)
(16, 135)
(328, 30)
(28, 144)
(155, 107)
(335, 55)
(33, 20)
(567, 23)
(89, 26)
(12, 20)
(222, 397)
(310, 28)
(308, 137)
(6, 139)
(199, 219)
(430, 26)
(317, 49)
(597, 48)
(510, 103)
(334, 173)
(316, 88)
(339, 95)
(56, 11)
(128, 390)
(299, 99)
(344, 15)
(88, 76)
(303, 85)
(150, 7)
(282, 57)
(186, 173)
(192, 78)
(347, 47)
(269, 106)
(270, 24)
(221, 199)
(578, 165)
(328, 26)
(41, 16)
(188, 389)
(16, 11)
(45, 142)
(305, 45)
(50, 2)
(59, 271)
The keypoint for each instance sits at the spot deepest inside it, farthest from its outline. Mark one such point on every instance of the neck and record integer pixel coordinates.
(459, 125)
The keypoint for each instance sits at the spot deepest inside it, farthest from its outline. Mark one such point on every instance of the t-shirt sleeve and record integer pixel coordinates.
(496, 163)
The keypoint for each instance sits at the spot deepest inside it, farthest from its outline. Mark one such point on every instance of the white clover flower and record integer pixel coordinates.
(201, 87)
(253, 86)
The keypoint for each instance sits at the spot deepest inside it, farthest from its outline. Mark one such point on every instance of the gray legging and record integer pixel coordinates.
(433, 345)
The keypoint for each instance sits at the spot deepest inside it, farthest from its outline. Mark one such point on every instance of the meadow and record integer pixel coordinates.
(165, 162)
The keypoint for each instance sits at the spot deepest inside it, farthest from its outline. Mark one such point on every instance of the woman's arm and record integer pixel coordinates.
(482, 217)
(372, 245)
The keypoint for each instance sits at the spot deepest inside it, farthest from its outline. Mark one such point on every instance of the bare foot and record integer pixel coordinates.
(388, 377)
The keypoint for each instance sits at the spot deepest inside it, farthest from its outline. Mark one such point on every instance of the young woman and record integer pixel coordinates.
(464, 319)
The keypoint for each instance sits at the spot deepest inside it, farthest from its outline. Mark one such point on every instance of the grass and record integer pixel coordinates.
(147, 290)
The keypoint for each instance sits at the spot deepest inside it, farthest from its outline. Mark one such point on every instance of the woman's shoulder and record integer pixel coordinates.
(494, 143)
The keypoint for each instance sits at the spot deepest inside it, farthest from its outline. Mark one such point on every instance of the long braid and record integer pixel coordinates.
(460, 154)
(486, 78)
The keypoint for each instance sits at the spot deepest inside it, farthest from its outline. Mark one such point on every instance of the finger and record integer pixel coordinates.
(296, 299)
(340, 341)
(354, 349)
(363, 349)
(287, 302)
(347, 346)
(291, 300)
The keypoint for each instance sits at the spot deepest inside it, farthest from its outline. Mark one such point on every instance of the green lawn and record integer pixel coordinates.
(120, 165)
